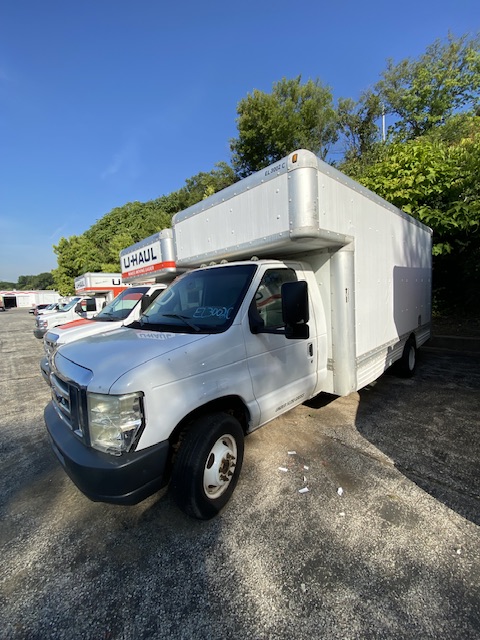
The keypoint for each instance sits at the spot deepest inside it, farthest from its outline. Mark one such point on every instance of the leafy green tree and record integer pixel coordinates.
(22, 282)
(43, 281)
(138, 219)
(203, 185)
(423, 93)
(270, 126)
(75, 255)
(40, 281)
(98, 249)
(357, 123)
(120, 241)
(4, 285)
(436, 180)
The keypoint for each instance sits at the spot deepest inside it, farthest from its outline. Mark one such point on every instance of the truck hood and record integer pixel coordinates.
(81, 328)
(76, 323)
(111, 355)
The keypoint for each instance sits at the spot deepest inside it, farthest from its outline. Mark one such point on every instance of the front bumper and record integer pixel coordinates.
(39, 333)
(126, 479)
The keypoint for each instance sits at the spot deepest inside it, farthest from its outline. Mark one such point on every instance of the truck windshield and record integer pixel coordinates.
(70, 304)
(122, 305)
(204, 301)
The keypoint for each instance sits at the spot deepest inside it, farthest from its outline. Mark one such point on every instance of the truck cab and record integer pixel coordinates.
(78, 306)
(232, 345)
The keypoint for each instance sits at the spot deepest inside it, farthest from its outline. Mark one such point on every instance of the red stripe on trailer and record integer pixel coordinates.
(153, 268)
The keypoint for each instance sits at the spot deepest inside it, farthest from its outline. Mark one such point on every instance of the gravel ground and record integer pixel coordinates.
(384, 544)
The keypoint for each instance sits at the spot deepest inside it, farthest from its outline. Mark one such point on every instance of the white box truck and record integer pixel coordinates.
(105, 286)
(300, 281)
(134, 298)
(77, 307)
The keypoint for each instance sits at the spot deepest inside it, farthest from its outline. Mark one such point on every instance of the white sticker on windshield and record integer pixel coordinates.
(213, 312)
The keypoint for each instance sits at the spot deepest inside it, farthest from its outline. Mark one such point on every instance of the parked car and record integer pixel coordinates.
(53, 306)
(34, 309)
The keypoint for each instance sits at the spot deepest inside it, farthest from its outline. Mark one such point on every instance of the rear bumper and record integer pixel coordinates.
(126, 479)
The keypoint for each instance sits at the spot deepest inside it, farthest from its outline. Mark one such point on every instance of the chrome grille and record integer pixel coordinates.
(67, 401)
(49, 346)
(61, 399)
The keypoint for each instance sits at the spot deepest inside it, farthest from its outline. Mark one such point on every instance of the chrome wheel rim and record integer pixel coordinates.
(220, 466)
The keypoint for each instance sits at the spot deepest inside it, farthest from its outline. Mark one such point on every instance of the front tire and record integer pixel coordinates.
(208, 465)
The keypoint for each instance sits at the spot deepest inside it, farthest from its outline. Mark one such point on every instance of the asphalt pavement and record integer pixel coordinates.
(354, 518)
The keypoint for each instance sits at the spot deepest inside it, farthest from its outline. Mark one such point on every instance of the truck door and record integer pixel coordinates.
(283, 371)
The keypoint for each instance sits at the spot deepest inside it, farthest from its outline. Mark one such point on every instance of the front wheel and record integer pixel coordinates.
(208, 465)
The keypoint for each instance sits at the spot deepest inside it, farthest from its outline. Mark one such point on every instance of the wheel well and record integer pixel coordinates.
(232, 405)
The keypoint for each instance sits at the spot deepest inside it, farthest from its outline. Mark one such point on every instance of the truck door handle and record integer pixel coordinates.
(310, 349)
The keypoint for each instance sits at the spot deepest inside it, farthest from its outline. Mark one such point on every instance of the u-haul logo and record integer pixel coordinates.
(141, 257)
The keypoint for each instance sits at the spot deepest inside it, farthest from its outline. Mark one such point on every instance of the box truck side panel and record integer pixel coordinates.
(270, 214)
(392, 246)
(236, 226)
(389, 282)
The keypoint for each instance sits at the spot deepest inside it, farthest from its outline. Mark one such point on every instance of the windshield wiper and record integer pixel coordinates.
(186, 320)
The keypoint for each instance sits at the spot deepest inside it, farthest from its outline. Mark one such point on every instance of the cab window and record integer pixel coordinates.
(268, 297)
(89, 305)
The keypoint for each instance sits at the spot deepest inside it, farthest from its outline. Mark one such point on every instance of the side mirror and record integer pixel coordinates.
(255, 319)
(78, 307)
(295, 312)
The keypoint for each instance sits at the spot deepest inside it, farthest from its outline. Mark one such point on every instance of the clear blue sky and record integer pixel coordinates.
(104, 102)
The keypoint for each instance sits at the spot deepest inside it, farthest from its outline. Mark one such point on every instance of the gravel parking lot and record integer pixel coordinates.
(384, 544)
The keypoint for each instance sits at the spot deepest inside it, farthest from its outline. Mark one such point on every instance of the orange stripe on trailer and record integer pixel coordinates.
(153, 268)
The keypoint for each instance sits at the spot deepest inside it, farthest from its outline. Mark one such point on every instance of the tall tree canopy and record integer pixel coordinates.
(41, 281)
(357, 123)
(435, 179)
(422, 93)
(272, 125)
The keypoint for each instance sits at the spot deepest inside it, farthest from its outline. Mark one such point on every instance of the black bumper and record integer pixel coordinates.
(125, 479)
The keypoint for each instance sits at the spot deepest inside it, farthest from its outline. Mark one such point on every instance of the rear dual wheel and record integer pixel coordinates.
(408, 362)
(208, 465)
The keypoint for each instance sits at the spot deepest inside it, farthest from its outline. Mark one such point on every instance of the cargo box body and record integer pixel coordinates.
(372, 262)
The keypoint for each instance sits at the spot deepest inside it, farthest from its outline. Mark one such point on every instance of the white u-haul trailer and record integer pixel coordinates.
(104, 286)
(339, 290)
(93, 291)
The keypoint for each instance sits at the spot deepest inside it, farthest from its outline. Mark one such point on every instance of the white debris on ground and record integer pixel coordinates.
(295, 466)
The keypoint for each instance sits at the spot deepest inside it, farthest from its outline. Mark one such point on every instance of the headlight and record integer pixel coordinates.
(50, 343)
(114, 421)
